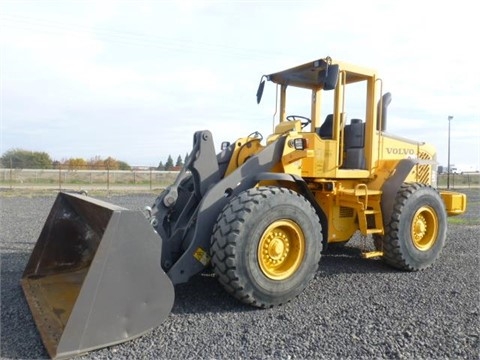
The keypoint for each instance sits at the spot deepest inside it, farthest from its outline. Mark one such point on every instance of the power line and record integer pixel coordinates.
(131, 38)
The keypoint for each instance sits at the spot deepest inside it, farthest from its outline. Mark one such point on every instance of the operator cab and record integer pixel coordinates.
(333, 101)
(304, 83)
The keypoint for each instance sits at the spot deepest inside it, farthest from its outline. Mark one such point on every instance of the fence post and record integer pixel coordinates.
(59, 177)
(108, 178)
(11, 174)
(150, 179)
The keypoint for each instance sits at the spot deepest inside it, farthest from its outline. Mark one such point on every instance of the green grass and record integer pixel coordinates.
(460, 220)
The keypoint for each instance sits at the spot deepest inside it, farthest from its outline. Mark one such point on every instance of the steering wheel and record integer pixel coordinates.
(303, 120)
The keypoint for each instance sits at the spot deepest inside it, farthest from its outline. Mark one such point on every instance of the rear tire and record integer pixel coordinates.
(266, 246)
(416, 232)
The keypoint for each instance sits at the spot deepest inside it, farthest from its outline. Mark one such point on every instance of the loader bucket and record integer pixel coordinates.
(94, 277)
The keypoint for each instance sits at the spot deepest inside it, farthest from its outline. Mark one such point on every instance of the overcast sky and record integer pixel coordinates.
(135, 79)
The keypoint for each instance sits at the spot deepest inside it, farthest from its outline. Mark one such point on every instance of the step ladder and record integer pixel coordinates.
(367, 203)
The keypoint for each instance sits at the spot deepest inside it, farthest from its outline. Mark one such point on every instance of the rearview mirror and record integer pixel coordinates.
(329, 77)
(260, 89)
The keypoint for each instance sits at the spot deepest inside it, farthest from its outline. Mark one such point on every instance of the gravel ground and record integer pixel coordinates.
(354, 308)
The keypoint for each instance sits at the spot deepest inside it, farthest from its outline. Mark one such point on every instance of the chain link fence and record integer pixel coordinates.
(147, 179)
(458, 181)
(104, 179)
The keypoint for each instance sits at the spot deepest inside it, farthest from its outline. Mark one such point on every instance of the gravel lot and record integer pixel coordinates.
(354, 308)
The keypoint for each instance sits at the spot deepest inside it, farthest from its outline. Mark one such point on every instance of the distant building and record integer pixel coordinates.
(457, 169)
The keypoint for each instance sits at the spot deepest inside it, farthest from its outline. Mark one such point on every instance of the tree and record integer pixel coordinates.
(169, 163)
(122, 165)
(160, 166)
(110, 163)
(179, 162)
(96, 163)
(25, 159)
(76, 164)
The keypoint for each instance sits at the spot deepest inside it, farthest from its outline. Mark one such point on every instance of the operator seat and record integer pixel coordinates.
(354, 143)
(326, 130)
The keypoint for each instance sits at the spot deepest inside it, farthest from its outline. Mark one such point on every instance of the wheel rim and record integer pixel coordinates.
(424, 228)
(281, 249)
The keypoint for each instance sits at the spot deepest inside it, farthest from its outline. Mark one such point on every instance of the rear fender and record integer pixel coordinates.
(391, 187)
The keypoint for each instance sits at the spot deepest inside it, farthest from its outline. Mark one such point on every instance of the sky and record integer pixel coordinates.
(135, 79)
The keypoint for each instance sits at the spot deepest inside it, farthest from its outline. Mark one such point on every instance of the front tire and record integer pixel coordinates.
(416, 232)
(266, 246)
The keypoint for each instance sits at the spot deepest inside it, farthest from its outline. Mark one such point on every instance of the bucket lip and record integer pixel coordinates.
(40, 318)
(92, 200)
(80, 352)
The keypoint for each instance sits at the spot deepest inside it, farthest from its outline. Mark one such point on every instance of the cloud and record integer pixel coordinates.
(135, 80)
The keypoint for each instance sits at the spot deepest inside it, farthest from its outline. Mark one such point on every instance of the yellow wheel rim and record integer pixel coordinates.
(281, 249)
(424, 228)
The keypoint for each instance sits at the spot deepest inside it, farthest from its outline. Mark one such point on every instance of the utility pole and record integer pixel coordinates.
(450, 117)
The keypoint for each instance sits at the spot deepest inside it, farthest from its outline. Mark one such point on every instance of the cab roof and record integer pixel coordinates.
(309, 75)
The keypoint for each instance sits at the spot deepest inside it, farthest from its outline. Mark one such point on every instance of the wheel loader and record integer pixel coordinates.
(258, 213)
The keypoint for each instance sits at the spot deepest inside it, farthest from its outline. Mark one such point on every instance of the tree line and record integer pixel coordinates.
(169, 166)
(25, 159)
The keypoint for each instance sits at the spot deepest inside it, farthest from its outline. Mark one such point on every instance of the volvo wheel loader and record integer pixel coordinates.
(259, 214)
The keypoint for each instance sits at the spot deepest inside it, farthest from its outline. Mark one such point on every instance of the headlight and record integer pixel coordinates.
(298, 143)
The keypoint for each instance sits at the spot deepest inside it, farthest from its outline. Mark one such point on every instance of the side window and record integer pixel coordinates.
(355, 101)
(328, 103)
